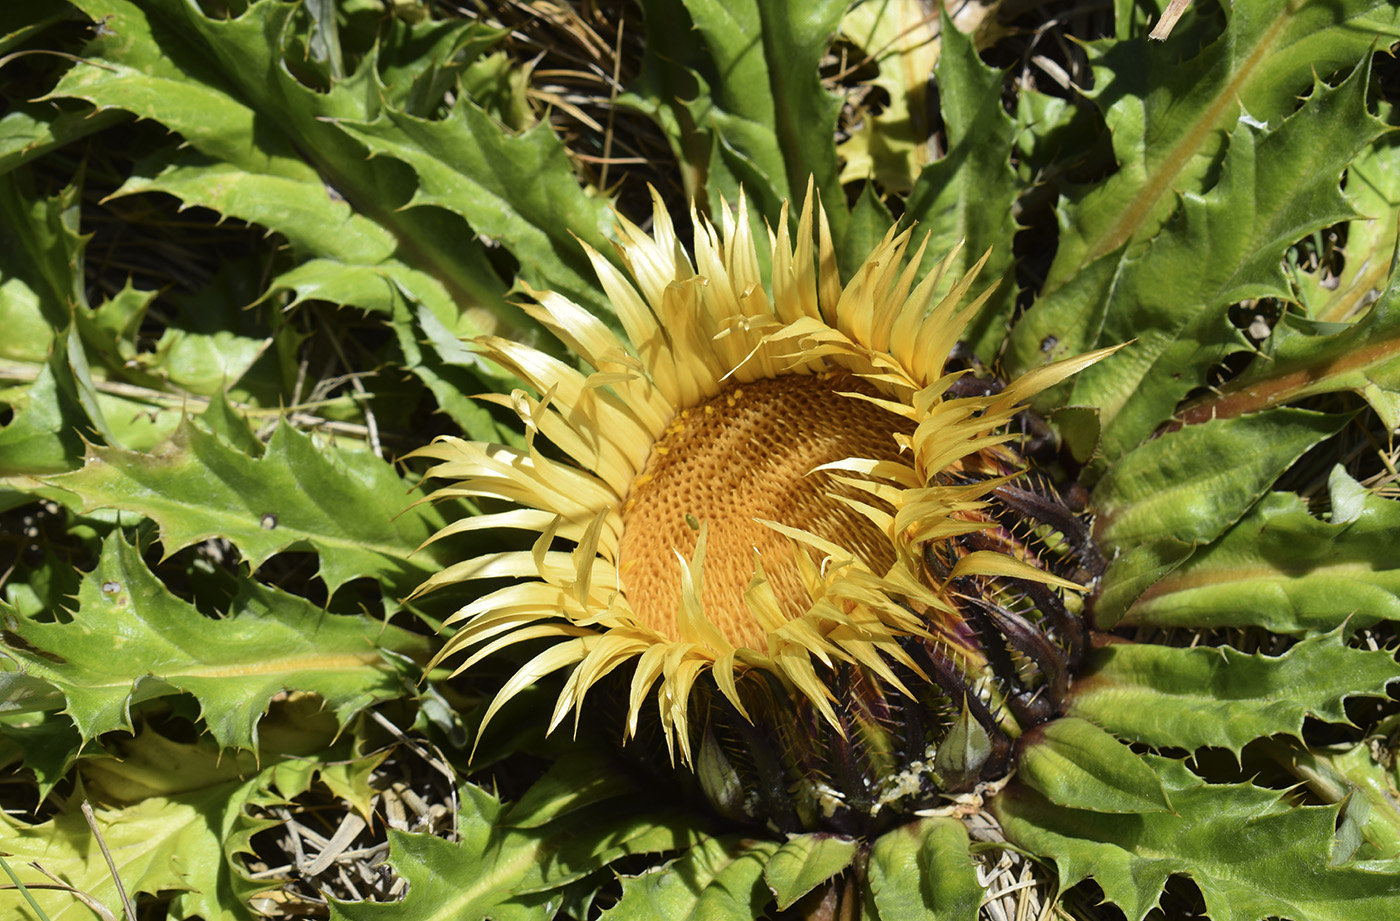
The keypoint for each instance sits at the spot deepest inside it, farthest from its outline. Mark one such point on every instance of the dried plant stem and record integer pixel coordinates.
(1164, 26)
(127, 907)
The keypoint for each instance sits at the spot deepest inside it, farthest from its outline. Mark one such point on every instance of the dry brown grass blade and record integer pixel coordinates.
(1164, 26)
(59, 885)
(127, 906)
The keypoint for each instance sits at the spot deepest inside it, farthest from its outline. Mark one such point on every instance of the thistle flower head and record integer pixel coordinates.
(774, 505)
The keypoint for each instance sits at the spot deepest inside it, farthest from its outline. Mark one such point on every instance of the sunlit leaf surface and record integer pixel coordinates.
(245, 247)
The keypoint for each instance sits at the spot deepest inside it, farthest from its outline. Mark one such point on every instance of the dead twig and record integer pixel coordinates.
(1164, 26)
(127, 907)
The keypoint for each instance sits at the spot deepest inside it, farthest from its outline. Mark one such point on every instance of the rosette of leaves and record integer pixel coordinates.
(243, 243)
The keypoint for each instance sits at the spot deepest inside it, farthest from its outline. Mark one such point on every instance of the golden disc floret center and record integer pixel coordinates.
(745, 456)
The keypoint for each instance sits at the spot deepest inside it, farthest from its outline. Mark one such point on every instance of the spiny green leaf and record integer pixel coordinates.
(1251, 855)
(1189, 698)
(1195, 482)
(870, 221)
(1174, 493)
(589, 840)
(578, 779)
(1364, 358)
(500, 84)
(420, 63)
(496, 871)
(923, 872)
(88, 396)
(1079, 430)
(29, 330)
(173, 816)
(446, 880)
(22, 20)
(150, 59)
(45, 743)
(428, 325)
(314, 221)
(425, 322)
(767, 99)
(51, 580)
(224, 422)
(220, 83)
(129, 639)
(358, 251)
(1170, 117)
(517, 190)
(159, 844)
(892, 145)
(21, 692)
(297, 741)
(346, 780)
(40, 248)
(46, 433)
(737, 85)
(1330, 294)
(1170, 293)
(386, 288)
(1077, 764)
(667, 89)
(223, 86)
(30, 130)
(1364, 785)
(805, 862)
(208, 342)
(1282, 569)
(968, 195)
(147, 763)
(442, 362)
(719, 879)
(111, 329)
(349, 507)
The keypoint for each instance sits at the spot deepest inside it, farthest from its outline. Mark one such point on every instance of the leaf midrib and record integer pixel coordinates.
(1298, 380)
(1182, 582)
(1159, 179)
(295, 665)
